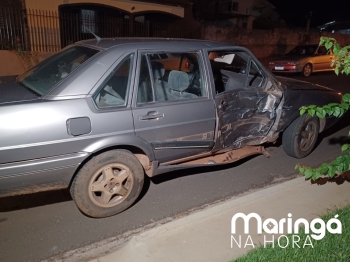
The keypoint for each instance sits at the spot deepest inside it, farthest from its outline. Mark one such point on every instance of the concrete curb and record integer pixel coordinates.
(205, 235)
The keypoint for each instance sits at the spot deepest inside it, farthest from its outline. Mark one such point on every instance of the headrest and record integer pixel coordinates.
(157, 69)
(178, 80)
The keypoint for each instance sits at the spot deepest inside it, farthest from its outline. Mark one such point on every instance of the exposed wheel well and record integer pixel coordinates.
(311, 65)
(321, 121)
(139, 153)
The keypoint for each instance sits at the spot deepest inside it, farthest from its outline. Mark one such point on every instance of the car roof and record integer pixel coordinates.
(164, 43)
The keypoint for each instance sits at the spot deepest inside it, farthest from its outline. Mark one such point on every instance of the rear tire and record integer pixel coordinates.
(108, 184)
(300, 137)
(307, 70)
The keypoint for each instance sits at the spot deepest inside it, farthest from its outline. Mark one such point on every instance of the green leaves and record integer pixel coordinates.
(341, 55)
(336, 49)
(344, 106)
(332, 109)
(339, 165)
(311, 111)
(331, 172)
(341, 64)
(308, 173)
(346, 98)
(329, 45)
(325, 40)
(337, 111)
(345, 147)
(316, 174)
(336, 70)
(320, 112)
(324, 168)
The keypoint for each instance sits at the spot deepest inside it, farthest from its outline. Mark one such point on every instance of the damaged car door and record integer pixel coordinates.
(246, 99)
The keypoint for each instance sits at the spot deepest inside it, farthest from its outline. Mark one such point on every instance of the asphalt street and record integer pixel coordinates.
(39, 226)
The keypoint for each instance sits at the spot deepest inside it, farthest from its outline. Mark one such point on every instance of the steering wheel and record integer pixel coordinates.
(253, 79)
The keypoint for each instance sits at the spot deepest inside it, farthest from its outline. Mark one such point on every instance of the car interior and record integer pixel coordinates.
(114, 91)
(231, 74)
(175, 76)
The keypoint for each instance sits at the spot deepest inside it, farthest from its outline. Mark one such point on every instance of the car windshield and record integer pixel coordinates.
(41, 78)
(303, 50)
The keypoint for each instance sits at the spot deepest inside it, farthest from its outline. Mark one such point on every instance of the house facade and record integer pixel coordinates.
(54, 24)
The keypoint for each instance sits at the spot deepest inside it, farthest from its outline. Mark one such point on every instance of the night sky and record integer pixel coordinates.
(295, 11)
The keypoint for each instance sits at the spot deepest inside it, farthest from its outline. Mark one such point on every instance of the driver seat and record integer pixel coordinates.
(178, 84)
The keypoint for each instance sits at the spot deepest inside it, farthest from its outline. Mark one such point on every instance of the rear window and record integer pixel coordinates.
(41, 78)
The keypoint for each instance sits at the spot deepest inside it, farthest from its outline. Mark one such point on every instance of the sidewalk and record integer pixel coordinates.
(206, 235)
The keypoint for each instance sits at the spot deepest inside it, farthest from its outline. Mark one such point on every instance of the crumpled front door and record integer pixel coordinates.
(246, 116)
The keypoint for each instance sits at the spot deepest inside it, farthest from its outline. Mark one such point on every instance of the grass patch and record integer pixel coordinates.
(333, 247)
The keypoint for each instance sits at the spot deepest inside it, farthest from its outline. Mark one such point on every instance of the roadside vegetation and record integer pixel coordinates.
(333, 247)
(341, 164)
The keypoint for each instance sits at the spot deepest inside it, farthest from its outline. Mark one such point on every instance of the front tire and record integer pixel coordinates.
(300, 137)
(108, 184)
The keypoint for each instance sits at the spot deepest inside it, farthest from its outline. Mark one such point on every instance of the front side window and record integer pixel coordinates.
(114, 91)
(306, 50)
(256, 77)
(322, 50)
(41, 78)
(229, 70)
(170, 77)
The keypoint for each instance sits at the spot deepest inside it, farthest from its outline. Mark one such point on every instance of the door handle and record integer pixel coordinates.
(151, 116)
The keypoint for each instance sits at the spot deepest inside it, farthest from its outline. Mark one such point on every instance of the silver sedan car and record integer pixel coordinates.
(102, 115)
(304, 59)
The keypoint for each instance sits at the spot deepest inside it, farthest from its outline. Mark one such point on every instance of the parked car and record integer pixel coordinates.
(305, 59)
(101, 114)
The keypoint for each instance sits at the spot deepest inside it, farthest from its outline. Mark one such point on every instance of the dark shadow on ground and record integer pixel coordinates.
(341, 124)
(13, 203)
(340, 179)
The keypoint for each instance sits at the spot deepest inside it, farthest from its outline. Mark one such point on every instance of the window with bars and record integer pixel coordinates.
(88, 18)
